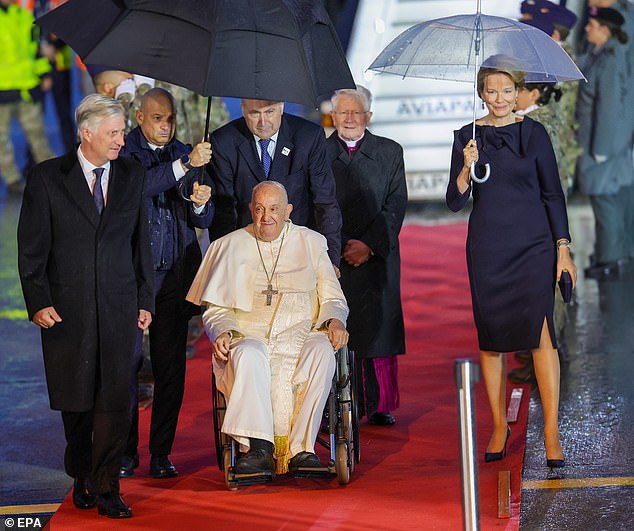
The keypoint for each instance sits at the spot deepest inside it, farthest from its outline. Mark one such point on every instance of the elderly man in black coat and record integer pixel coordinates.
(372, 193)
(86, 271)
(177, 202)
(267, 144)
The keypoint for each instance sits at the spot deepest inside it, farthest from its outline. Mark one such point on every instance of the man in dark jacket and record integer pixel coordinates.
(294, 154)
(372, 193)
(86, 270)
(177, 201)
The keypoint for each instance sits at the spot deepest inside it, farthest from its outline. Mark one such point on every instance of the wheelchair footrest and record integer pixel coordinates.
(314, 472)
(250, 479)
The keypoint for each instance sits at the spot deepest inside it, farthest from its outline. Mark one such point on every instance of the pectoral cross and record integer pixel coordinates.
(269, 292)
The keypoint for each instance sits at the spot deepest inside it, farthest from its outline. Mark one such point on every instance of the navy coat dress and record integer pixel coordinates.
(518, 215)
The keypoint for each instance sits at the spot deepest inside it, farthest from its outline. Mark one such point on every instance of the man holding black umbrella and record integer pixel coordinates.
(267, 144)
(177, 202)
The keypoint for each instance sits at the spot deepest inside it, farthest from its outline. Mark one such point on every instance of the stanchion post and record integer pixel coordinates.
(466, 374)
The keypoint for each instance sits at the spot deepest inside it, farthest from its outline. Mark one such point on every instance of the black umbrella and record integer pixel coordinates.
(280, 50)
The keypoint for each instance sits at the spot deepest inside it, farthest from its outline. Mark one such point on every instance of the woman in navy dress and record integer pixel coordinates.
(517, 247)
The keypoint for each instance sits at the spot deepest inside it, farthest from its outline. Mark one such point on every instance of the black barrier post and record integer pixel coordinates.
(467, 373)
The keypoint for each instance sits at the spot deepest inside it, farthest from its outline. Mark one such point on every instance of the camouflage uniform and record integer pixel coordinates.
(567, 126)
(31, 119)
(191, 111)
(558, 119)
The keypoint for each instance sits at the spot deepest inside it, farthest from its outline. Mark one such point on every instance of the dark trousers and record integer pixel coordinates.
(368, 389)
(628, 208)
(609, 222)
(132, 444)
(95, 441)
(168, 341)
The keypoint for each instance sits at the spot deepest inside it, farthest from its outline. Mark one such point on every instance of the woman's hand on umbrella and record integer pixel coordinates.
(200, 155)
(470, 153)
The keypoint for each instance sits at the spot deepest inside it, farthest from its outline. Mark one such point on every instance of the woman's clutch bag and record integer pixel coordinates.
(565, 286)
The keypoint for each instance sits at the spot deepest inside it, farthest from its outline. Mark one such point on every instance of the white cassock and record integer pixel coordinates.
(281, 362)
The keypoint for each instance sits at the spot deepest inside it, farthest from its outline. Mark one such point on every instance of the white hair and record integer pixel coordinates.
(361, 94)
(274, 184)
(94, 109)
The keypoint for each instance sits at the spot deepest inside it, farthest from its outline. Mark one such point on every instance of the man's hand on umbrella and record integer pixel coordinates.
(201, 193)
(200, 155)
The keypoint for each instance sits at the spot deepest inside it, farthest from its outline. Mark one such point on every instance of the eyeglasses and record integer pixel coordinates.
(354, 114)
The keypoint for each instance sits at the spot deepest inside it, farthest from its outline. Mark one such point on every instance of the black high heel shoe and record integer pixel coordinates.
(497, 456)
(555, 463)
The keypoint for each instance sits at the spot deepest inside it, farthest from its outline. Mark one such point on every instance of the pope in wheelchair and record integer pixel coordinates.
(275, 314)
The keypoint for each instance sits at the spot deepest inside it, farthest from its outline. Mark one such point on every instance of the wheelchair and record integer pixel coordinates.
(340, 415)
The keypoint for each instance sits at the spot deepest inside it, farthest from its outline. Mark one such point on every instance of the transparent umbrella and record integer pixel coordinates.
(453, 48)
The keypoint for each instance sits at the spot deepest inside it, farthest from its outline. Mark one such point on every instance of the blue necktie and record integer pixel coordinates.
(97, 192)
(266, 158)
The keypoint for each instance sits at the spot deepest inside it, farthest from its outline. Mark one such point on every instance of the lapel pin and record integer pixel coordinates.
(285, 151)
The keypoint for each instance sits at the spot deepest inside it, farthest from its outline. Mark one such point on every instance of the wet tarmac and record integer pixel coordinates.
(595, 491)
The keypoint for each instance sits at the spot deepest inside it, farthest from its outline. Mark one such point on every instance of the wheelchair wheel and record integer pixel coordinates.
(226, 460)
(342, 463)
(347, 420)
(218, 404)
(356, 448)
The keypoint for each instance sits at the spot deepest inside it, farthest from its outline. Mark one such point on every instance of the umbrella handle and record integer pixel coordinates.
(483, 179)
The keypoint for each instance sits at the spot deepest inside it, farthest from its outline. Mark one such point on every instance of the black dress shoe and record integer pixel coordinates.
(83, 498)
(497, 456)
(254, 462)
(113, 506)
(603, 270)
(381, 419)
(162, 467)
(304, 460)
(555, 463)
(128, 464)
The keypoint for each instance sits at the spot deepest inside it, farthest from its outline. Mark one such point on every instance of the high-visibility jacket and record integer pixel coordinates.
(20, 68)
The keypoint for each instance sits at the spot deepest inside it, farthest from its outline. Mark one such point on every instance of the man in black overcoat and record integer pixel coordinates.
(372, 194)
(294, 155)
(86, 271)
(177, 202)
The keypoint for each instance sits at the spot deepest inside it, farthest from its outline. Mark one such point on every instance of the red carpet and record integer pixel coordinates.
(409, 475)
